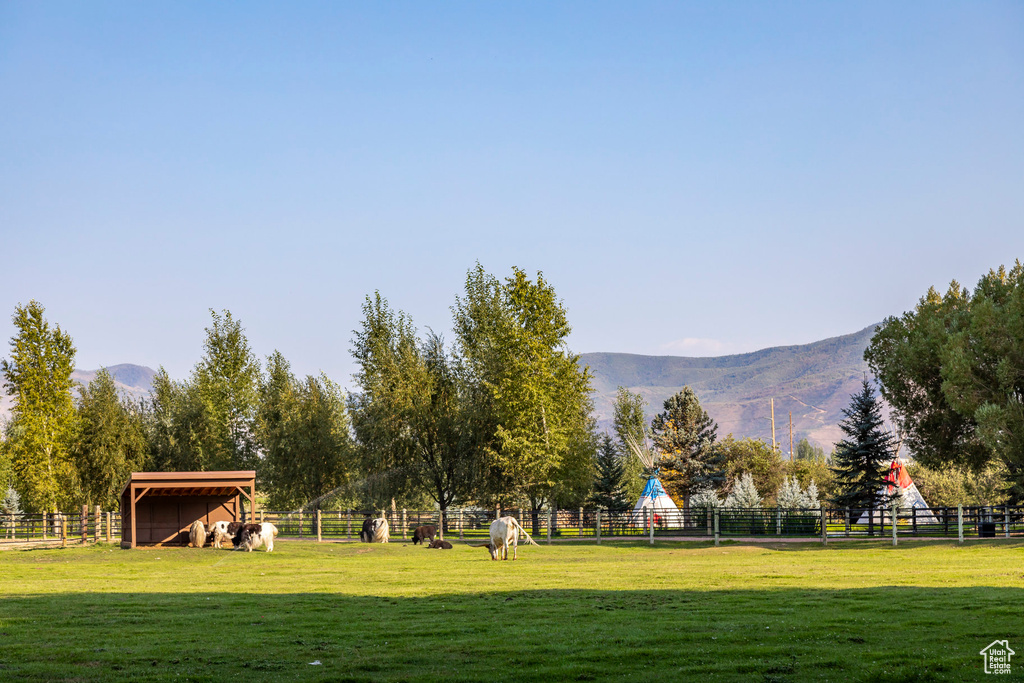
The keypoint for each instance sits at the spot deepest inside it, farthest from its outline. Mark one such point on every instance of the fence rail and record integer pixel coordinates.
(593, 525)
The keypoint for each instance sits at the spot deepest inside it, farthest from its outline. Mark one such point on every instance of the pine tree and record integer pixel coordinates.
(862, 459)
(685, 435)
(744, 493)
(608, 489)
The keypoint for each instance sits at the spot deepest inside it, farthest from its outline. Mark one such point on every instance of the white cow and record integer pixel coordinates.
(504, 532)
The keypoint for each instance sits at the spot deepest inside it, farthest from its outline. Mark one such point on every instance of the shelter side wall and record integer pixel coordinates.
(167, 519)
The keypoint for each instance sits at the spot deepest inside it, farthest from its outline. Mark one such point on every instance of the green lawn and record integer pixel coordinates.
(849, 611)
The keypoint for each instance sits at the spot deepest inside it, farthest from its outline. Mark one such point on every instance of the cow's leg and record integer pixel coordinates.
(515, 548)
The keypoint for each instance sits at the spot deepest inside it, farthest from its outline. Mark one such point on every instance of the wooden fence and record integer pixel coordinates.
(95, 525)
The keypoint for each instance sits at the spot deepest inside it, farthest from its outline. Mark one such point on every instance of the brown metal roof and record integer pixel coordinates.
(191, 483)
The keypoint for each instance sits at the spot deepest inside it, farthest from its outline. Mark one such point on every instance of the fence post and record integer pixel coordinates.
(846, 515)
(460, 524)
(913, 520)
(708, 512)
(716, 526)
(63, 532)
(404, 522)
(651, 528)
(110, 519)
(824, 527)
(550, 516)
(300, 523)
(99, 523)
(580, 532)
(960, 522)
(1006, 521)
(778, 521)
(348, 533)
(44, 525)
(84, 526)
(319, 527)
(895, 520)
(597, 525)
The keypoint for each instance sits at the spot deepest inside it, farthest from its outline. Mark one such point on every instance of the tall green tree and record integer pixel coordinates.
(415, 417)
(862, 459)
(208, 422)
(629, 421)
(609, 491)
(110, 443)
(953, 371)
(512, 336)
(684, 435)
(43, 420)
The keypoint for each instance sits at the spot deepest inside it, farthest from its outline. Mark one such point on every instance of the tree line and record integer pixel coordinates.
(502, 415)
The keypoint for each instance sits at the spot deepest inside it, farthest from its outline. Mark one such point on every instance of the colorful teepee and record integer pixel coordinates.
(910, 496)
(660, 507)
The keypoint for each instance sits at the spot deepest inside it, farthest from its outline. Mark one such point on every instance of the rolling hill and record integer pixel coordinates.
(814, 381)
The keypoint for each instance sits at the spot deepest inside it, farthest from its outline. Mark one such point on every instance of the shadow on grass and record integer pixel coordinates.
(875, 634)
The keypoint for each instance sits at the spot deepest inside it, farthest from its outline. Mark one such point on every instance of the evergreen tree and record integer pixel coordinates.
(861, 460)
(744, 494)
(111, 441)
(685, 435)
(629, 421)
(43, 420)
(608, 490)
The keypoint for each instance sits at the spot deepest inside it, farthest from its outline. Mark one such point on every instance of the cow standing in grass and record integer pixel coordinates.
(375, 531)
(421, 533)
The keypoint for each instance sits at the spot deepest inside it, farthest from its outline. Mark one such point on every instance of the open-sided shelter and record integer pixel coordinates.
(159, 507)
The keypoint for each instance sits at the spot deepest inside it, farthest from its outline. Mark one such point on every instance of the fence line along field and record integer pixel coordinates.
(399, 612)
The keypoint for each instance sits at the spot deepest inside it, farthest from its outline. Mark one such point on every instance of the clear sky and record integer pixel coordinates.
(693, 178)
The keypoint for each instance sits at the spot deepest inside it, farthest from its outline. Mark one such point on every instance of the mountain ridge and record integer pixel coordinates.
(813, 381)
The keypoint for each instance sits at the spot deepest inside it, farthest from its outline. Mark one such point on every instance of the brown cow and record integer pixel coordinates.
(440, 545)
(421, 533)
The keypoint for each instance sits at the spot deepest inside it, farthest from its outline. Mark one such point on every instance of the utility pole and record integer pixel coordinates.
(774, 447)
(791, 455)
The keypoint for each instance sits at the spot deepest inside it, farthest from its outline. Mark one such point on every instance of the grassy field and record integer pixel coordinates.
(860, 611)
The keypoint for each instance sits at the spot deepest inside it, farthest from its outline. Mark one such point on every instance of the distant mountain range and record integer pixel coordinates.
(133, 380)
(813, 381)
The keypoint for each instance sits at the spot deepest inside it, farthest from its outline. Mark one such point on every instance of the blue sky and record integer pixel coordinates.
(693, 178)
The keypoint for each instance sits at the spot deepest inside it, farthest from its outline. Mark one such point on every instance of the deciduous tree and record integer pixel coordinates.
(43, 420)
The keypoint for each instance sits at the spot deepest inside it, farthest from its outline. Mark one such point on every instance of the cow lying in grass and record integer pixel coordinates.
(375, 531)
(224, 531)
(252, 536)
(197, 535)
(421, 533)
(440, 545)
(504, 532)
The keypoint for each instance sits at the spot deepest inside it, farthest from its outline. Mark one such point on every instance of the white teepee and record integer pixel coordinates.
(910, 495)
(661, 508)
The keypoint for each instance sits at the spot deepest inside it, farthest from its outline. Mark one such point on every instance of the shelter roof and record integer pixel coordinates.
(191, 483)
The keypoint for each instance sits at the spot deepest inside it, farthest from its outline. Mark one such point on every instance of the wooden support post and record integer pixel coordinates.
(98, 529)
(319, 527)
(708, 512)
(63, 532)
(597, 526)
(846, 514)
(44, 526)
(300, 523)
(824, 527)
(651, 532)
(580, 532)
(960, 523)
(404, 522)
(460, 524)
(110, 518)
(778, 521)
(895, 525)
(716, 527)
(348, 533)
(550, 515)
(85, 524)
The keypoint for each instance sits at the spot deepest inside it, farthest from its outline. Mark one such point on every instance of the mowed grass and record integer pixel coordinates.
(573, 612)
